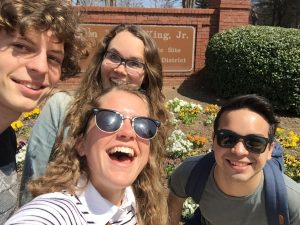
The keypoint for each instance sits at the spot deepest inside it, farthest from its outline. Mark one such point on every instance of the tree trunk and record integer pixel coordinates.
(110, 2)
(188, 3)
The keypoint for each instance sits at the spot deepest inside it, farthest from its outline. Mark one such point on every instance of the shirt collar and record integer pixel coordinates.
(100, 209)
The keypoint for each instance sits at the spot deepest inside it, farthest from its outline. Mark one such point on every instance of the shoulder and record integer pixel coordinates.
(179, 178)
(186, 166)
(293, 191)
(57, 201)
(60, 98)
(56, 208)
(56, 107)
(189, 164)
(292, 186)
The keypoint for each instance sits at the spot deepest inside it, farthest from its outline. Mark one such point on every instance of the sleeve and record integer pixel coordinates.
(47, 211)
(179, 178)
(42, 139)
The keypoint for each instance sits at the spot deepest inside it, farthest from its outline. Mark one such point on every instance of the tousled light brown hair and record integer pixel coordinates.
(42, 15)
(67, 166)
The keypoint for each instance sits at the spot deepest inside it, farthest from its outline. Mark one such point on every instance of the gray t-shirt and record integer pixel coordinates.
(8, 174)
(8, 191)
(217, 208)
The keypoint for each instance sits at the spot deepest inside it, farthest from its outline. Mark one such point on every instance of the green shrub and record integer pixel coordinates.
(257, 59)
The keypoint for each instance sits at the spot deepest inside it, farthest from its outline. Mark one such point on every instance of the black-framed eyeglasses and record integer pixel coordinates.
(134, 66)
(110, 121)
(252, 142)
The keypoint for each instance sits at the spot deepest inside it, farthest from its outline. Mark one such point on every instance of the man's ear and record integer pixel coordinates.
(212, 136)
(80, 146)
(270, 149)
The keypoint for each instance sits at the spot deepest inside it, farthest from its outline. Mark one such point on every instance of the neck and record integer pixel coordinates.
(7, 117)
(112, 195)
(237, 188)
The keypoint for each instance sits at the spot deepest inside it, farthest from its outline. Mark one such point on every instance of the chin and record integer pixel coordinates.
(27, 105)
(242, 177)
(122, 184)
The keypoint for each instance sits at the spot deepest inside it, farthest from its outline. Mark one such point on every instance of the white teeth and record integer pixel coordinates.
(118, 81)
(125, 150)
(31, 86)
(238, 163)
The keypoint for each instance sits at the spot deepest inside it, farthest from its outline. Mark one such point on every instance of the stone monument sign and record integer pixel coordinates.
(176, 44)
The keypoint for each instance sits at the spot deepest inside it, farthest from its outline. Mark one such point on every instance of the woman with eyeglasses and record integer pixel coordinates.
(106, 170)
(127, 55)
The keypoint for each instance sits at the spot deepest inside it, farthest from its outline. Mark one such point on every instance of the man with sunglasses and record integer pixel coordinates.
(234, 191)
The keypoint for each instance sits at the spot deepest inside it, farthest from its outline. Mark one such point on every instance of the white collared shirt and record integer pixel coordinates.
(100, 209)
(88, 207)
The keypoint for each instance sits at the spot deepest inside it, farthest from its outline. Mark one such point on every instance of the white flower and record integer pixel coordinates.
(182, 103)
(20, 156)
(176, 109)
(193, 105)
(200, 107)
(189, 206)
(178, 143)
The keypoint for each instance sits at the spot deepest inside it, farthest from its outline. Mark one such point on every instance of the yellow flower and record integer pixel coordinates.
(16, 125)
(36, 111)
(211, 109)
(26, 115)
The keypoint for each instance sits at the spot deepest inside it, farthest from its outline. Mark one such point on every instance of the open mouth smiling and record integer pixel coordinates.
(121, 154)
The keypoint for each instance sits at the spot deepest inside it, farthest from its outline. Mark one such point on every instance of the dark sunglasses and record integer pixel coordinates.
(110, 121)
(253, 143)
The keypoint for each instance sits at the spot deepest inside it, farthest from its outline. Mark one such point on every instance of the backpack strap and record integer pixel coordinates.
(277, 156)
(199, 176)
(275, 195)
(196, 183)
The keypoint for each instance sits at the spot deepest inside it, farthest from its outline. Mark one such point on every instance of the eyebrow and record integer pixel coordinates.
(22, 37)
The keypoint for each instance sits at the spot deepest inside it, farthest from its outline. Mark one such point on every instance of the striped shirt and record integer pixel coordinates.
(87, 208)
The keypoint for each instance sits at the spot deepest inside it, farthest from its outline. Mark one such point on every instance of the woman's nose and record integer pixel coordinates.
(121, 69)
(126, 131)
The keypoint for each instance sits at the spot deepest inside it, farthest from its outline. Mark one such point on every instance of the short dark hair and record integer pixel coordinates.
(255, 103)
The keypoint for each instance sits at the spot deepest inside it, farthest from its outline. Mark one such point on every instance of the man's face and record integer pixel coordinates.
(29, 66)
(237, 164)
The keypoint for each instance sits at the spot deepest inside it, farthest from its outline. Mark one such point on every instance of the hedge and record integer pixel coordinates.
(257, 59)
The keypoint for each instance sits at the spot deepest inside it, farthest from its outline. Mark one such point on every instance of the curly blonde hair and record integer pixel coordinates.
(42, 15)
(67, 166)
